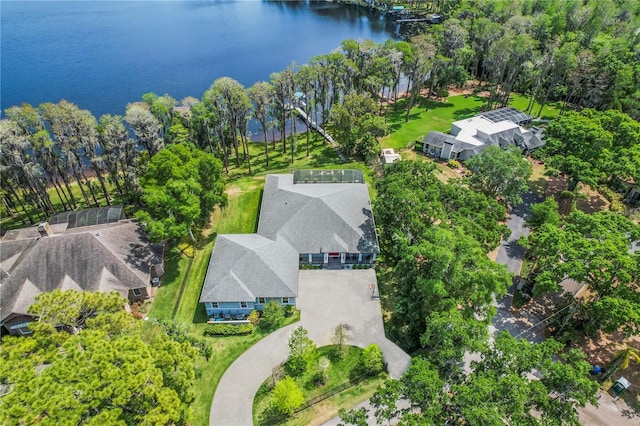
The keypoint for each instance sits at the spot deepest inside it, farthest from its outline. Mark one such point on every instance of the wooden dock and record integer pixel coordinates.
(400, 21)
(312, 124)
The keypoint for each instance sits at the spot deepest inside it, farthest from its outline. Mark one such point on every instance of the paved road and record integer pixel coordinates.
(325, 299)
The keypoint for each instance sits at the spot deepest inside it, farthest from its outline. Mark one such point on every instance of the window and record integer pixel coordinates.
(137, 292)
(285, 300)
(23, 328)
(243, 304)
(261, 300)
(214, 305)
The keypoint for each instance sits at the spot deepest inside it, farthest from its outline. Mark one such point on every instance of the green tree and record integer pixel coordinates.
(372, 359)
(356, 417)
(302, 350)
(594, 249)
(110, 372)
(181, 188)
(287, 396)
(147, 128)
(545, 212)
(501, 173)
(272, 316)
(356, 126)
(340, 339)
(449, 335)
(500, 388)
(435, 237)
(260, 94)
(72, 308)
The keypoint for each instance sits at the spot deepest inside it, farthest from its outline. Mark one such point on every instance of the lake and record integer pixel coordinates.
(102, 55)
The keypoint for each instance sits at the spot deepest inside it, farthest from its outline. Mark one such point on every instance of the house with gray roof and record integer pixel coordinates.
(319, 218)
(469, 137)
(106, 257)
(246, 271)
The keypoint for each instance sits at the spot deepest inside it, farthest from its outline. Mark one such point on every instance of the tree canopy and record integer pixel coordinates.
(435, 237)
(514, 382)
(597, 250)
(501, 173)
(109, 373)
(594, 147)
(181, 187)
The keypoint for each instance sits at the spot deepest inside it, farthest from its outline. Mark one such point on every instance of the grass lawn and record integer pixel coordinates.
(340, 373)
(431, 115)
(225, 351)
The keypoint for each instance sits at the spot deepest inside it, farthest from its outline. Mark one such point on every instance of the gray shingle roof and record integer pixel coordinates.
(437, 139)
(317, 218)
(246, 266)
(113, 258)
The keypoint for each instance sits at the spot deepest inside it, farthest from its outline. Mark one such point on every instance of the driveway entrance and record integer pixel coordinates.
(325, 298)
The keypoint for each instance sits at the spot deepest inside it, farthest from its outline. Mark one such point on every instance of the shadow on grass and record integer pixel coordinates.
(429, 104)
(200, 315)
(172, 268)
(271, 416)
(466, 112)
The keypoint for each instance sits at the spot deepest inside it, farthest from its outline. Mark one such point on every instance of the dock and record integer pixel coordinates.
(312, 124)
(400, 21)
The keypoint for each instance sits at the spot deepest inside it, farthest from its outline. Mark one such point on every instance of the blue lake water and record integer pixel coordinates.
(102, 55)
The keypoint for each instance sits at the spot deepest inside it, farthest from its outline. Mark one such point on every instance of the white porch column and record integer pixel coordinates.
(326, 258)
(343, 257)
(359, 257)
(310, 258)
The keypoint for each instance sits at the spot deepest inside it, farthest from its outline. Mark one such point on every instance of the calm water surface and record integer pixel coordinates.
(102, 55)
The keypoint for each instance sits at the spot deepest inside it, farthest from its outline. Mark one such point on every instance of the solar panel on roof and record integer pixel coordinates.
(507, 113)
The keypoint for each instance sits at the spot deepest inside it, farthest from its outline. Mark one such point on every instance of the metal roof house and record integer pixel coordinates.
(469, 137)
(108, 257)
(321, 218)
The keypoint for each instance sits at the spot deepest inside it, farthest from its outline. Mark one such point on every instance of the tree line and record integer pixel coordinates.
(440, 285)
(584, 53)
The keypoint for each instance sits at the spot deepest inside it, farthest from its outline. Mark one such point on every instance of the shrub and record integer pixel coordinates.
(287, 396)
(229, 329)
(372, 359)
(454, 164)
(615, 198)
(272, 316)
(254, 317)
(289, 310)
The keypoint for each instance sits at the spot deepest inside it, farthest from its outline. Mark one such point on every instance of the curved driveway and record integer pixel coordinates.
(325, 299)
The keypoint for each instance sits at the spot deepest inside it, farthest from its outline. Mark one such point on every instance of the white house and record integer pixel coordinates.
(469, 137)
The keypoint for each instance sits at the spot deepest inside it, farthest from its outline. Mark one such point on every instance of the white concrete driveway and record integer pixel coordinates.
(326, 299)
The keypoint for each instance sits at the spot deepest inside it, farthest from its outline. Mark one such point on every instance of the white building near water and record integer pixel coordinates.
(469, 137)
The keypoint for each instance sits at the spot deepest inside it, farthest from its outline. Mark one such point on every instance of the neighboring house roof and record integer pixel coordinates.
(246, 266)
(318, 217)
(114, 257)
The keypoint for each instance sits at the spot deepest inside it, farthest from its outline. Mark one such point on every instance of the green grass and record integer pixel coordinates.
(165, 299)
(431, 115)
(427, 116)
(340, 372)
(225, 351)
